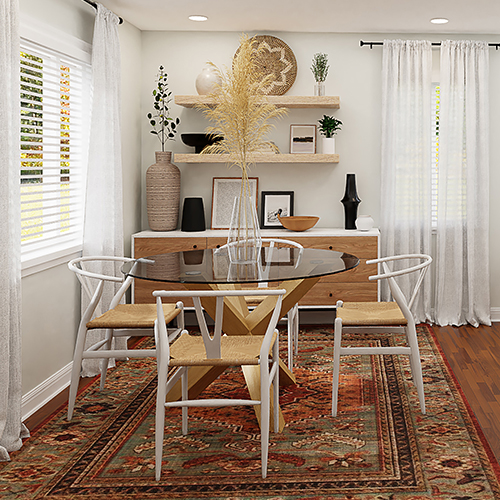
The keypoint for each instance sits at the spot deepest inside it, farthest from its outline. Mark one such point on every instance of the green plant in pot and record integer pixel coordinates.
(163, 178)
(328, 126)
(319, 69)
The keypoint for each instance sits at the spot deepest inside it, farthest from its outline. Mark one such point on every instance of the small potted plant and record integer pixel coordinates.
(319, 69)
(328, 126)
(163, 178)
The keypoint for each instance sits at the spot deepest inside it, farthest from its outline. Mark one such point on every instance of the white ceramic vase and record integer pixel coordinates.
(328, 145)
(364, 223)
(206, 80)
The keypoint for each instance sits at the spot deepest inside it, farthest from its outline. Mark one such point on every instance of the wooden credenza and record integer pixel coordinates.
(351, 285)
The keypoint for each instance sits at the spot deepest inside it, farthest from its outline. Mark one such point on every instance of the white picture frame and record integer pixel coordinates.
(224, 190)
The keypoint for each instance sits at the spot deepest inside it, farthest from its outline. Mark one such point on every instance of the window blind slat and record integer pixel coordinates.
(51, 147)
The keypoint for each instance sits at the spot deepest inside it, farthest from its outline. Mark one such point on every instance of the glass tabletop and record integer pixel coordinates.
(214, 266)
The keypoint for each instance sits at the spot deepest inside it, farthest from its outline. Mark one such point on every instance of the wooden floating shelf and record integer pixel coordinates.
(281, 101)
(258, 158)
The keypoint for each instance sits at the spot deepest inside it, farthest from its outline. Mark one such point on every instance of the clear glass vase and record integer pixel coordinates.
(319, 88)
(244, 240)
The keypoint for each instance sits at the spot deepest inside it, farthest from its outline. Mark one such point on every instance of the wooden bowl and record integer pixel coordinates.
(298, 222)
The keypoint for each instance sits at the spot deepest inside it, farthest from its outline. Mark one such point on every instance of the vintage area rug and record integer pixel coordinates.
(379, 447)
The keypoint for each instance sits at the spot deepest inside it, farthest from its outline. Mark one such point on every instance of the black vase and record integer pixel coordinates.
(193, 215)
(350, 202)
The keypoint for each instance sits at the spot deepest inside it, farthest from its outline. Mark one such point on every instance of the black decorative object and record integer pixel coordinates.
(350, 202)
(199, 141)
(193, 215)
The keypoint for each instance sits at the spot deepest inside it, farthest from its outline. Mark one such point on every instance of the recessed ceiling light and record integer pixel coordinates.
(439, 20)
(198, 18)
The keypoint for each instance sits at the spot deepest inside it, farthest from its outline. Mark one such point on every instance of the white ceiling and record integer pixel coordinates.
(331, 16)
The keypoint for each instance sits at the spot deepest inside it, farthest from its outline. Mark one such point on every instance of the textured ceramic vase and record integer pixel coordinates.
(350, 202)
(163, 188)
(206, 80)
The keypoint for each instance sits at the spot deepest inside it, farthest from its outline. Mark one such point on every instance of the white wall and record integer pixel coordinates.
(51, 299)
(355, 75)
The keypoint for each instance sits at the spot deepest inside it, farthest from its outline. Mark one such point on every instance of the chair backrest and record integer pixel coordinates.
(424, 261)
(213, 343)
(93, 272)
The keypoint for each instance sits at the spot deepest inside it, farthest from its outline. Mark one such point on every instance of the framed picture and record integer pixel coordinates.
(302, 138)
(272, 202)
(224, 191)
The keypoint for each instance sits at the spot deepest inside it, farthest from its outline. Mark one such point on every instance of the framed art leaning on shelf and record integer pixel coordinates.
(272, 202)
(303, 139)
(224, 191)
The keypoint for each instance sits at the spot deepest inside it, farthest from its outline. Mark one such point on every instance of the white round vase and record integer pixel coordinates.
(206, 79)
(328, 145)
(364, 223)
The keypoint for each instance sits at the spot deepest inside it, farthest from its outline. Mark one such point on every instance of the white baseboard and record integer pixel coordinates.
(44, 392)
(495, 314)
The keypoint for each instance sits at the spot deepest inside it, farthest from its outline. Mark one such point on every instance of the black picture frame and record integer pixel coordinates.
(271, 202)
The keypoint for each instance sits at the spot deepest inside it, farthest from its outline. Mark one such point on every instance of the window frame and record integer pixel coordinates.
(32, 31)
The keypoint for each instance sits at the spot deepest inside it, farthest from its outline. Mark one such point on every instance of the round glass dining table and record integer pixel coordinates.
(213, 266)
(297, 270)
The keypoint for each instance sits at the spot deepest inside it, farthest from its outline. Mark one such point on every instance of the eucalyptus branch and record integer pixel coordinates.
(164, 127)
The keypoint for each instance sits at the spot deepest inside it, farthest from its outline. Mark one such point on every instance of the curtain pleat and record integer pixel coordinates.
(103, 225)
(405, 225)
(462, 263)
(11, 428)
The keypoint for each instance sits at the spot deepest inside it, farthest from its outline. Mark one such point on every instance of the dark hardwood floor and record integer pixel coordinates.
(473, 354)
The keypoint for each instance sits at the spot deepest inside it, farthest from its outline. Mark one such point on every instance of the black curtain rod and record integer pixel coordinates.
(90, 2)
(371, 44)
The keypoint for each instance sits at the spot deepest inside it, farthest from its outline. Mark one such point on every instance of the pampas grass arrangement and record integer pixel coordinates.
(241, 113)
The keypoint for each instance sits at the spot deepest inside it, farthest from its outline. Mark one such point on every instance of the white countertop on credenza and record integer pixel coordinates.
(317, 232)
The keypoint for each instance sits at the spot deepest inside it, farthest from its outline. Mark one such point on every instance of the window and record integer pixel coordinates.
(54, 88)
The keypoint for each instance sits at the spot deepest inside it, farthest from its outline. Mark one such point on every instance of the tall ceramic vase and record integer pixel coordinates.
(163, 187)
(350, 202)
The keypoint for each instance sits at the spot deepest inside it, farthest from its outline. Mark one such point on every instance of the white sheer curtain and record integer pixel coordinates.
(462, 267)
(103, 227)
(405, 224)
(11, 428)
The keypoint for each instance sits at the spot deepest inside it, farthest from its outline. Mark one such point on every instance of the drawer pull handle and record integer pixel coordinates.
(331, 248)
(217, 246)
(195, 246)
(330, 294)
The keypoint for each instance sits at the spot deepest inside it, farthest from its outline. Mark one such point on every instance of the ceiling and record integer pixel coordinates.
(316, 16)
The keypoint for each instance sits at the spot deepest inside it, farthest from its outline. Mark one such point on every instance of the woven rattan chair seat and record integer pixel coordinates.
(132, 316)
(371, 314)
(236, 350)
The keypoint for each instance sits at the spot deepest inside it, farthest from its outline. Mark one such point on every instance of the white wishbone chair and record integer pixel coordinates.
(381, 317)
(292, 316)
(119, 320)
(175, 358)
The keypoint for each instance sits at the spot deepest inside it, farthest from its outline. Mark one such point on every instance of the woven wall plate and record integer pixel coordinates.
(276, 58)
